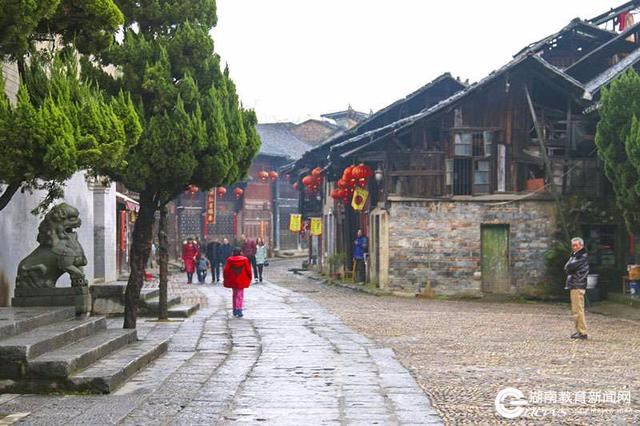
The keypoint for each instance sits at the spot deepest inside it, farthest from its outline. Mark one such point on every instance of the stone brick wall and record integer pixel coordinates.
(440, 240)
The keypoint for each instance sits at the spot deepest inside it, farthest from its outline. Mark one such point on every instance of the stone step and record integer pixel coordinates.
(183, 311)
(49, 337)
(152, 305)
(65, 361)
(149, 293)
(14, 321)
(110, 372)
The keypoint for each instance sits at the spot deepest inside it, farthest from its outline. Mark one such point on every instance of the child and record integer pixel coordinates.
(202, 265)
(261, 256)
(237, 276)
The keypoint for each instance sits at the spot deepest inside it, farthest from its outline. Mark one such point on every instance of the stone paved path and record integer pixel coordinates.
(288, 361)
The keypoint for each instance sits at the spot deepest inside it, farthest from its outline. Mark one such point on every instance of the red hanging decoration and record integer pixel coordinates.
(347, 174)
(295, 186)
(273, 175)
(222, 191)
(238, 192)
(308, 180)
(263, 176)
(192, 189)
(317, 172)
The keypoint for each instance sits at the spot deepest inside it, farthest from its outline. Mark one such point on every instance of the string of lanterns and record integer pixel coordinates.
(313, 181)
(352, 176)
(264, 176)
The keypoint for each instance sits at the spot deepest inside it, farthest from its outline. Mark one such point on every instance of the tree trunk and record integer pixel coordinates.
(163, 261)
(140, 249)
(8, 193)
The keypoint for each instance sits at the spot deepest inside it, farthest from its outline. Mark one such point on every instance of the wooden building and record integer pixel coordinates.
(469, 187)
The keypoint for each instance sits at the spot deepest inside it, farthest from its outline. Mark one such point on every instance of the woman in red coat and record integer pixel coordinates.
(237, 276)
(189, 256)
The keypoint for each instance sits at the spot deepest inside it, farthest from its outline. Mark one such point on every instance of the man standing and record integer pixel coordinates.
(577, 269)
(212, 254)
(359, 253)
(248, 248)
(224, 252)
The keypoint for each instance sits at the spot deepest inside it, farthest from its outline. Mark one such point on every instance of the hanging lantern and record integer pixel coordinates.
(347, 174)
(273, 175)
(295, 186)
(317, 172)
(263, 176)
(342, 184)
(308, 180)
(368, 172)
(238, 192)
(192, 189)
(335, 194)
(222, 191)
(362, 183)
(358, 172)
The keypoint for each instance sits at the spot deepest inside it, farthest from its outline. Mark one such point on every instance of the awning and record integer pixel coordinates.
(130, 203)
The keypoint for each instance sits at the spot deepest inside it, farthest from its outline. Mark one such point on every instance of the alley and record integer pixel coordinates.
(288, 361)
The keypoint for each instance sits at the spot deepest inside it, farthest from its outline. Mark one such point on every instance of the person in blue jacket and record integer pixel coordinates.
(359, 253)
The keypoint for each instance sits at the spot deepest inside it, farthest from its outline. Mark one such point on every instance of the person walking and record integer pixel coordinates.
(202, 266)
(361, 244)
(224, 252)
(261, 256)
(249, 251)
(577, 269)
(237, 276)
(213, 247)
(189, 256)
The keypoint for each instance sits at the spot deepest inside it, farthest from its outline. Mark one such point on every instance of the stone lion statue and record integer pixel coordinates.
(59, 251)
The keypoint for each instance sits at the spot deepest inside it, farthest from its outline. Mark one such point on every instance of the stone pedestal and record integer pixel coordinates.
(78, 297)
(108, 299)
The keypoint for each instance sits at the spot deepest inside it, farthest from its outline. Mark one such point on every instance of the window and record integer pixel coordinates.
(448, 167)
(463, 142)
(478, 145)
(481, 175)
(488, 143)
(462, 176)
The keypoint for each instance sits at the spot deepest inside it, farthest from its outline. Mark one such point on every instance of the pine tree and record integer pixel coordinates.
(34, 155)
(618, 142)
(195, 132)
(58, 126)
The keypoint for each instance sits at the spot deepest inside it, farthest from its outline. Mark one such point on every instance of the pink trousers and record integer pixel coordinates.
(238, 298)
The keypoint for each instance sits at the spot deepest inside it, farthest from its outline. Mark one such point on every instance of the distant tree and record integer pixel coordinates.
(194, 130)
(42, 145)
(618, 142)
(60, 125)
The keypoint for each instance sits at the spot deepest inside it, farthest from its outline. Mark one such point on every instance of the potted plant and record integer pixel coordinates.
(336, 261)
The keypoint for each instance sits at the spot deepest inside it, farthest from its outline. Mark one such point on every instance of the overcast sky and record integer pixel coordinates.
(295, 59)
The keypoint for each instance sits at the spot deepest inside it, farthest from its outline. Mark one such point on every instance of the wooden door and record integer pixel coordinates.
(495, 259)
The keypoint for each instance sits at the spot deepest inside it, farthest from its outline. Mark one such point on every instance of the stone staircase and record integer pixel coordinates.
(49, 350)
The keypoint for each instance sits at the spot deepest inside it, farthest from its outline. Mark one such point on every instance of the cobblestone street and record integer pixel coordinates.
(288, 361)
(462, 353)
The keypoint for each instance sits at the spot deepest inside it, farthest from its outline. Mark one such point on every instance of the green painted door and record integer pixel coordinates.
(495, 259)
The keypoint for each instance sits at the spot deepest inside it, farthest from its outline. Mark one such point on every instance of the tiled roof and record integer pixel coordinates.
(278, 141)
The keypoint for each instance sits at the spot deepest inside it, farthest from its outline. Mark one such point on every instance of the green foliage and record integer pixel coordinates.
(618, 141)
(89, 24)
(195, 132)
(60, 125)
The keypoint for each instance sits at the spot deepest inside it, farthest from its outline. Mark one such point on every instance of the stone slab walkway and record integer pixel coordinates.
(288, 361)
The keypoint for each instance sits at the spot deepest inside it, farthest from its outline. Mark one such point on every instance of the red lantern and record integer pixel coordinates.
(347, 174)
(222, 191)
(362, 183)
(358, 172)
(192, 189)
(342, 184)
(263, 176)
(273, 175)
(317, 172)
(295, 186)
(368, 172)
(308, 180)
(238, 192)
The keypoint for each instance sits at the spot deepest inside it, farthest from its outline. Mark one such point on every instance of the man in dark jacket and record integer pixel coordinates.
(224, 251)
(212, 254)
(577, 269)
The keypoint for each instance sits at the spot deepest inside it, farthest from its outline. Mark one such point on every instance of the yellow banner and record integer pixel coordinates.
(359, 199)
(316, 226)
(295, 222)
